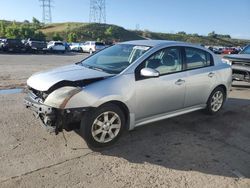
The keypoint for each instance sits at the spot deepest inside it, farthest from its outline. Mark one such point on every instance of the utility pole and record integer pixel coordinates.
(97, 13)
(46, 6)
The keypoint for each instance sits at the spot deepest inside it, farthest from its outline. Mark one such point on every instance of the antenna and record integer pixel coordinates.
(97, 11)
(46, 5)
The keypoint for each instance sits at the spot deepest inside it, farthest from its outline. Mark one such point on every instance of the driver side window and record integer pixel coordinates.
(165, 61)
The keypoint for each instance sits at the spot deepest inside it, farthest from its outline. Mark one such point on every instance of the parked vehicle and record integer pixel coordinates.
(76, 47)
(56, 46)
(92, 46)
(240, 64)
(13, 45)
(1, 44)
(33, 45)
(229, 51)
(67, 46)
(128, 85)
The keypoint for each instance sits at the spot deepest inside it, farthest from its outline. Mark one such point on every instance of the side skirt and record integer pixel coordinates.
(168, 115)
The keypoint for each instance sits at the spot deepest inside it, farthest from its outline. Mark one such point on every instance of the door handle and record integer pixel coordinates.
(180, 82)
(211, 74)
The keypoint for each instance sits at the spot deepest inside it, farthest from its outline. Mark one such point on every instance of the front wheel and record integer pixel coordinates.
(216, 101)
(103, 126)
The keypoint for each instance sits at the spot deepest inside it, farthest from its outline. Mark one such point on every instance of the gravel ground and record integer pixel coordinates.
(193, 150)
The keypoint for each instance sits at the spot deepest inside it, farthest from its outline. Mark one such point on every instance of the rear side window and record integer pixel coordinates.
(58, 44)
(99, 43)
(196, 58)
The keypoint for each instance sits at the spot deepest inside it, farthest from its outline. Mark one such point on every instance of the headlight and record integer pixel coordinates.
(226, 61)
(60, 97)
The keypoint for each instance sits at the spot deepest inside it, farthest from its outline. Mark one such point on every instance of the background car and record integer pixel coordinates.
(92, 46)
(1, 44)
(229, 51)
(76, 47)
(34, 45)
(240, 64)
(56, 46)
(13, 45)
(128, 85)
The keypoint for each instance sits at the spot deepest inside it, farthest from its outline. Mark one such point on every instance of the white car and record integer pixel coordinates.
(56, 46)
(92, 46)
(77, 47)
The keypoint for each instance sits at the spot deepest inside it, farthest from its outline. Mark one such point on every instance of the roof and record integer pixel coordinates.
(151, 43)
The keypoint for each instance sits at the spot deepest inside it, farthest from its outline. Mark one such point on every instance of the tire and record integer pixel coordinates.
(216, 101)
(97, 131)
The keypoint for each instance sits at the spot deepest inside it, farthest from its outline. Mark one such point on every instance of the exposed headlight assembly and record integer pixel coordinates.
(60, 97)
(227, 61)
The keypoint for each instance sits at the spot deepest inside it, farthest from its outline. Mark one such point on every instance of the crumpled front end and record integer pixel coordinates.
(50, 108)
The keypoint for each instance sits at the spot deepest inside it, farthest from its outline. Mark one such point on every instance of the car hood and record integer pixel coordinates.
(43, 81)
(240, 57)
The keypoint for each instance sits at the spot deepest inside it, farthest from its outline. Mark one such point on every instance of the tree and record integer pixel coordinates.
(12, 31)
(212, 34)
(36, 23)
(39, 35)
(57, 37)
(181, 33)
(72, 37)
(2, 29)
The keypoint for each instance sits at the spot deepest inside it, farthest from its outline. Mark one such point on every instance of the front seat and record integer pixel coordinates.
(153, 63)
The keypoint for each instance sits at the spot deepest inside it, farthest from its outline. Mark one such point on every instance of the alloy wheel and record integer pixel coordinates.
(106, 127)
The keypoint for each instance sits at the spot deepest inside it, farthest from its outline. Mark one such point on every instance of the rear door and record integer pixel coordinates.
(201, 76)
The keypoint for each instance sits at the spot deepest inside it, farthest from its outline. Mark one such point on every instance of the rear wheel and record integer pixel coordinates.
(216, 100)
(103, 126)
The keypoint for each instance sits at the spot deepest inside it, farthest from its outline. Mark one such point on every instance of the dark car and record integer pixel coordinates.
(13, 45)
(1, 44)
(33, 45)
(240, 64)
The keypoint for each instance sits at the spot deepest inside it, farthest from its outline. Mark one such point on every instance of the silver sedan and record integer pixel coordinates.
(128, 85)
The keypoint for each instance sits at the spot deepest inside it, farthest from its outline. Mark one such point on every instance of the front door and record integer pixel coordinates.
(166, 93)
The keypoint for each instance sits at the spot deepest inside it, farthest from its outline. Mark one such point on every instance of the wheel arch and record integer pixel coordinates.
(124, 109)
(219, 86)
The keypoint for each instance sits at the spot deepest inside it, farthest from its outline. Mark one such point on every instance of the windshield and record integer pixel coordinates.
(115, 58)
(246, 50)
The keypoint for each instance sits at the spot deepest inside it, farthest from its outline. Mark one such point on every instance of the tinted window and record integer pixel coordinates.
(196, 58)
(99, 43)
(165, 61)
(58, 44)
(14, 41)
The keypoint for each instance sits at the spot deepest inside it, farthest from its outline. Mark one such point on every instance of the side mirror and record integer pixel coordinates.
(149, 73)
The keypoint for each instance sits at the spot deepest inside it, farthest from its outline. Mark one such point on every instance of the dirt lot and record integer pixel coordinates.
(194, 150)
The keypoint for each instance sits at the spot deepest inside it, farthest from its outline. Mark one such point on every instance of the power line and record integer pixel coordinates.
(97, 11)
(46, 6)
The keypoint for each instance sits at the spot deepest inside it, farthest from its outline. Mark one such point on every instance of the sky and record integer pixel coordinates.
(192, 16)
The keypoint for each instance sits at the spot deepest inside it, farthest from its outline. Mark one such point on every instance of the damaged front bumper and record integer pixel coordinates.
(53, 119)
(241, 73)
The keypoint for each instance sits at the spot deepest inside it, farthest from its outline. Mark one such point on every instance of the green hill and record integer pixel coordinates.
(106, 32)
(90, 31)
(76, 32)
